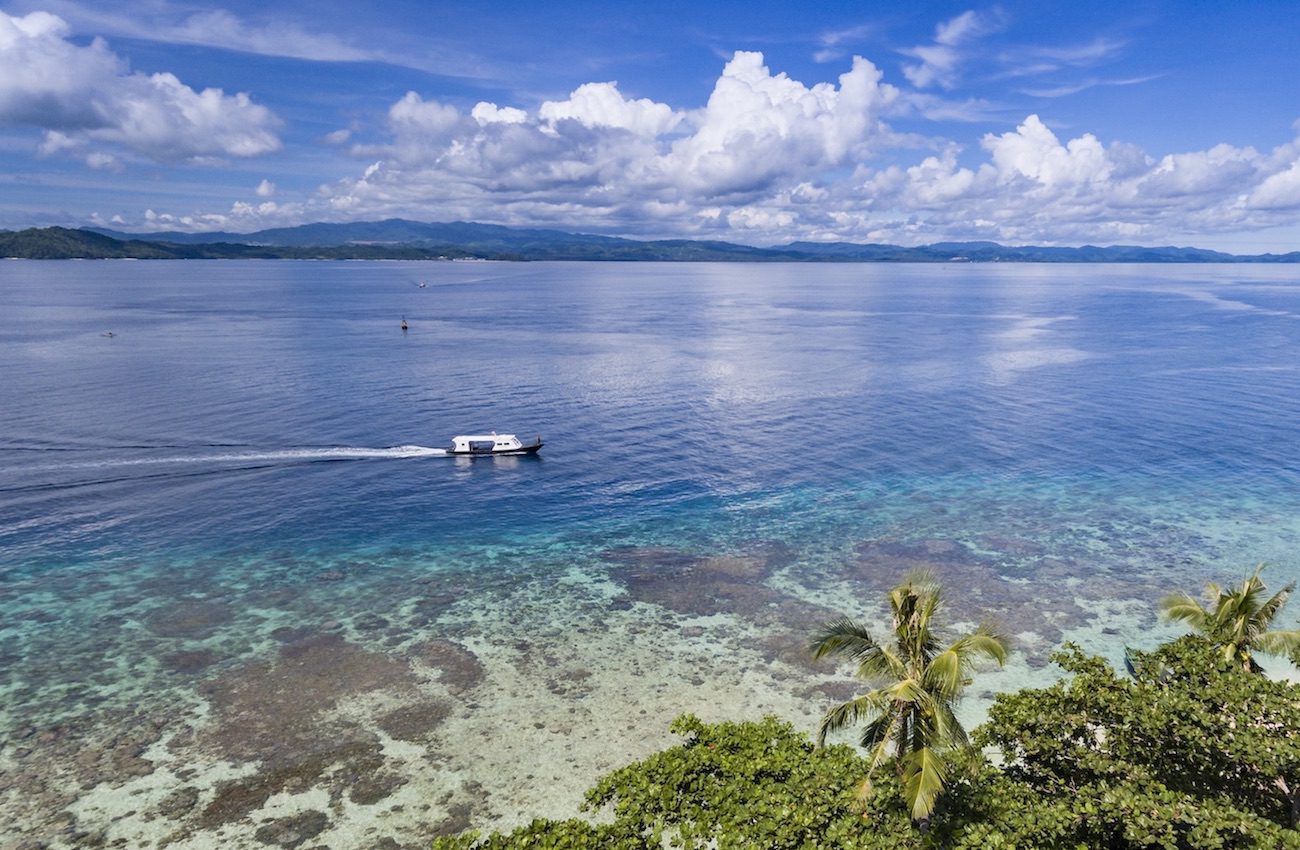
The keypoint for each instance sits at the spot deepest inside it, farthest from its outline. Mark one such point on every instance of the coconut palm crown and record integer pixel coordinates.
(1237, 619)
(917, 682)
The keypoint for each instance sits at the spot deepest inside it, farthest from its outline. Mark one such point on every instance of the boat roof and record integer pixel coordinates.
(484, 437)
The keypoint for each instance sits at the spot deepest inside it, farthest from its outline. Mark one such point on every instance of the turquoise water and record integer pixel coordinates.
(233, 495)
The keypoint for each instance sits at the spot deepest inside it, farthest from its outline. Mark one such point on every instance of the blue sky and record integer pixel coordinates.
(755, 122)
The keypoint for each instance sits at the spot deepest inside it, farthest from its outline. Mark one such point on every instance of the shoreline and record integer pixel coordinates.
(454, 709)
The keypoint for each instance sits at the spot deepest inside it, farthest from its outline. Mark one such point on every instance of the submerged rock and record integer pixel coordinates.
(414, 722)
(265, 709)
(293, 830)
(458, 668)
(189, 618)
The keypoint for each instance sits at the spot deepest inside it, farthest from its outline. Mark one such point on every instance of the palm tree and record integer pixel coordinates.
(910, 711)
(1238, 620)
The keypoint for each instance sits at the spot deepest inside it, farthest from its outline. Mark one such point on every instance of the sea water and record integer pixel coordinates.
(226, 519)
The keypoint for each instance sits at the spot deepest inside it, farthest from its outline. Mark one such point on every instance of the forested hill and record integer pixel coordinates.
(398, 239)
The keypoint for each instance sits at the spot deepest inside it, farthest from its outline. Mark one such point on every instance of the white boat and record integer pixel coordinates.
(492, 444)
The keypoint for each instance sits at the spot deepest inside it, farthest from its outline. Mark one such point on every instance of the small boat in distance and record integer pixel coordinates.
(492, 444)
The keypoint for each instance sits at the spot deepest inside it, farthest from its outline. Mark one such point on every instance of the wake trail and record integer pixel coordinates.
(292, 455)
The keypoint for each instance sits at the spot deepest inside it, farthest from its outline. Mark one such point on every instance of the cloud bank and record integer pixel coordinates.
(602, 159)
(769, 159)
(764, 159)
(87, 99)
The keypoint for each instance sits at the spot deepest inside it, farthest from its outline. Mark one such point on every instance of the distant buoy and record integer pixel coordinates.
(403, 323)
(110, 333)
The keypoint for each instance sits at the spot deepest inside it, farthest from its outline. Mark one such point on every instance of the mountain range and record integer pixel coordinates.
(403, 239)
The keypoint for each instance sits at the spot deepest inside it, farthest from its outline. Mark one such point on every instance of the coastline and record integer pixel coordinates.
(448, 700)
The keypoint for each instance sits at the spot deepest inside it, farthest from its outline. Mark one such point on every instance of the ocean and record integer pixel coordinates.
(244, 597)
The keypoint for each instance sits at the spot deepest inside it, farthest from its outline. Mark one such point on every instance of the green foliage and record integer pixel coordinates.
(911, 711)
(1195, 752)
(748, 785)
(729, 786)
(1237, 620)
(541, 834)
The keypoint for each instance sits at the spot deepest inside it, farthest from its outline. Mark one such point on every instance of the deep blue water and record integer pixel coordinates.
(712, 401)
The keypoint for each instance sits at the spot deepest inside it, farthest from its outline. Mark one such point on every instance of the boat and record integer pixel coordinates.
(492, 444)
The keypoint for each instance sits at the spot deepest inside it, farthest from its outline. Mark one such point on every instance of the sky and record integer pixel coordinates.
(756, 122)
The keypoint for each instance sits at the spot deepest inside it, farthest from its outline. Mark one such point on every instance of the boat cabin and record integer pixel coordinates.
(491, 444)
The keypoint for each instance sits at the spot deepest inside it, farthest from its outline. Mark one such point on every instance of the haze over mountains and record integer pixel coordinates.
(404, 239)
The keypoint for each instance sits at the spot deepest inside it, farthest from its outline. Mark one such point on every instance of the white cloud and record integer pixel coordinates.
(265, 189)
(833, 39)
(489, 113)
(1278, 191)
(82, 95)
(220, 28)
(607, 154)
(602, 105)
(939, 60)
(758, 127)
(769, 159)
(268, 32)
(414, 115)
(1034, 151)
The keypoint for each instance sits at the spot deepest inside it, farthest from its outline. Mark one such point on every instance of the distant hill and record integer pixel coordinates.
(60, 243)
(400, 239)
(992, 252)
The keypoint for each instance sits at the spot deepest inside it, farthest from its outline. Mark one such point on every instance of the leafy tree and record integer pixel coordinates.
(730, 786)
(1196, 752)
(1237, 620)
(911, 710)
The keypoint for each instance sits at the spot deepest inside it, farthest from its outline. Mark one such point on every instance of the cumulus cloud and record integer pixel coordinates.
(611, 154)
(602, 105)
(767, 159)
(758, 126)
(1034, 187)
(85, 94)
(1033, 151)
(489, 113)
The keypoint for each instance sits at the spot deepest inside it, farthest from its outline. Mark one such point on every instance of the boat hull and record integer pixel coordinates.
(530, 449)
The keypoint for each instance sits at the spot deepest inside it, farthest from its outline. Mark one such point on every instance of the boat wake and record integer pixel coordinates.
(305, 454)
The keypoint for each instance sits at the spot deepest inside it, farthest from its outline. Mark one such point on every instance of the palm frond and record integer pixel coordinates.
(877, 730)
(880, 749)
(991, 642)
(924, 775)
(908, 690)
(1180, 607)
(843, 637)
(849, 713)
(1281, 642)
(948, 731)
(1269, 610)
(944, 675)
(883, 665)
